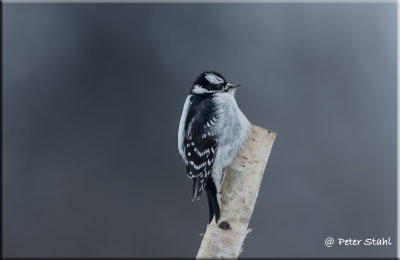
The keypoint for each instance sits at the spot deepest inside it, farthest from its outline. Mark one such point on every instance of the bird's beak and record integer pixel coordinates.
(229, 86)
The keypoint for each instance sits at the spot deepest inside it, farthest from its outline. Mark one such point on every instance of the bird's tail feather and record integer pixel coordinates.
(213, 205)
(210, 207)
(197, 189)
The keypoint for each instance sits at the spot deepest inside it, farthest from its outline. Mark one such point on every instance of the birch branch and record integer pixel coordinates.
(239, 194)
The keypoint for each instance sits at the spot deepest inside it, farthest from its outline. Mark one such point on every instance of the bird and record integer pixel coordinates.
(211, 132)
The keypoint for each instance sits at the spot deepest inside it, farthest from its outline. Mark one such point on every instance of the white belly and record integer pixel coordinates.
(232, 129)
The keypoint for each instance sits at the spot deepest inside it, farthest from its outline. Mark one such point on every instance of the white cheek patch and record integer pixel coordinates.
(214, 79)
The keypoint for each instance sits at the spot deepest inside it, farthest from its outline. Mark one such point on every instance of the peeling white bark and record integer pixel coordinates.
(239, 194)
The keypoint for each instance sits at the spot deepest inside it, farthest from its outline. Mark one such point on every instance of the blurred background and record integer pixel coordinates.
(93, 94)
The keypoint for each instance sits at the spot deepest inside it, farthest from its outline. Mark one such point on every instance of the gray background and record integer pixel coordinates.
(93, 93)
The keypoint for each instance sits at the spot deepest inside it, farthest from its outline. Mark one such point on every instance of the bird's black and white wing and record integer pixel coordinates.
(196, 141)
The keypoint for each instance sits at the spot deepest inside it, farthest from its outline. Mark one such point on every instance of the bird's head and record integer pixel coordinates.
(212, 82)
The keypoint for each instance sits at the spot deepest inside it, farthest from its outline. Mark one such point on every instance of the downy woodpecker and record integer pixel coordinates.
(211, 132)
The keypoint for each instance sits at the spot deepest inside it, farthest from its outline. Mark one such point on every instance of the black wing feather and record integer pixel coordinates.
(200, 145)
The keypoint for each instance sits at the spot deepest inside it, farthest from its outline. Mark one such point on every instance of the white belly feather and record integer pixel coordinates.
(232, 129)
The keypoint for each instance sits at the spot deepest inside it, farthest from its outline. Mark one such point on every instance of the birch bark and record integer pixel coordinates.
(239, 194)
